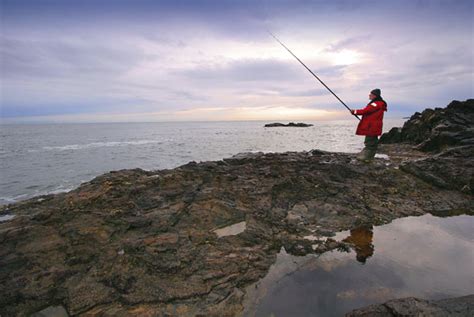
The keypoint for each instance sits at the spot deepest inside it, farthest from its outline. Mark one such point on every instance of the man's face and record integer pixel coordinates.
(372, 96)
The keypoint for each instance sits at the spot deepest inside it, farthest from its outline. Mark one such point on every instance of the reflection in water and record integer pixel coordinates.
(231, 230)
(361, 238)
(426, 257)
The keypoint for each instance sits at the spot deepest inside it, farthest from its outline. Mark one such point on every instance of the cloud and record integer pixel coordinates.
(247, 70)
(167, 56)
(307, 93)
(351, 42)
(53, 58)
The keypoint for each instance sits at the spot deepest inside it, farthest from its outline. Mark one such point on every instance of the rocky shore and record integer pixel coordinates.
(144, 243)
(435, 130)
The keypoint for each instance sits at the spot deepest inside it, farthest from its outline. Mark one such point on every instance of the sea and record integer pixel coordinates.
(39, 159)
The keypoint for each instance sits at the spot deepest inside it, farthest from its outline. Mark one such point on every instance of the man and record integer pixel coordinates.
(371, 124)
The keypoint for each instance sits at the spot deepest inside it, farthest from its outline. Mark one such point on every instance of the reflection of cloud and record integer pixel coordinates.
(425, 228)
(330, 261)
(374, 294)
(425, 246)
(414, 256)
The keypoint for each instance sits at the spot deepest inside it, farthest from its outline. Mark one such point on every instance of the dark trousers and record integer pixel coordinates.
(371, 143)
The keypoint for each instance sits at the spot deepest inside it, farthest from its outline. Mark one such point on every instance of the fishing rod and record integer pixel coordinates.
(309, 70)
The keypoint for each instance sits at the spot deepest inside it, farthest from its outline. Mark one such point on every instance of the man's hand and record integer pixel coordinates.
(353, 111)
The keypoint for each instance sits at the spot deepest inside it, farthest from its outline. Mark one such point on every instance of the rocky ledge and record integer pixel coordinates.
(459, 306)
(447, 135)
(147, 243)
(291, 124)
(434, 130)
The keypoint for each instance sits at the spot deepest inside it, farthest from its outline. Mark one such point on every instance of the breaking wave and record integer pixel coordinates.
(13, 199)
(99, 144)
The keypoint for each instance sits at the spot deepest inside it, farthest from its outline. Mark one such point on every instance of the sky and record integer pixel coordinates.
(143, 60)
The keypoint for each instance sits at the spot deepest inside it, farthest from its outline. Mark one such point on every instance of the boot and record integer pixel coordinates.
(370, 155)
(366, 155)
(361, 156)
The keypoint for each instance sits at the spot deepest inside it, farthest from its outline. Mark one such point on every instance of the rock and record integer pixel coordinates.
(245, 155)
(392, 136)
(318, 152)
(135, 242)
(52, 311)
(450, 169)
(460, 306)
(144, 240)
(291, 124)
(434, 130)
(449, 132)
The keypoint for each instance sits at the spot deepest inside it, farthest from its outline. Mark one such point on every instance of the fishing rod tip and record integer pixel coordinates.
(269, 32)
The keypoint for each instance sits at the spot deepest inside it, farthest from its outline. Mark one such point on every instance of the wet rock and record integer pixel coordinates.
(233, 229)
(460, 306)
(298, 246)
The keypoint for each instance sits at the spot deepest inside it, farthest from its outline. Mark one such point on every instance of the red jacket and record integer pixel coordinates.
(372, 117)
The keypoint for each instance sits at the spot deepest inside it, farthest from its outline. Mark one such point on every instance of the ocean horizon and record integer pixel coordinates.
(47, 158)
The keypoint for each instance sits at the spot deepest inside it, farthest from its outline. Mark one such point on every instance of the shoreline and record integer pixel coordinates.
(136, 242)
(127, 234)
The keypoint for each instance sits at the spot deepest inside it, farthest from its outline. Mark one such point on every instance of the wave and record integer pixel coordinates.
(99, 144)
(17, 198)
(12, 199)
(4, 218)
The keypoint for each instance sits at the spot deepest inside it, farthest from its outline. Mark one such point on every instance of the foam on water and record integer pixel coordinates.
(56, 190)
(99, 144)
(6, 218)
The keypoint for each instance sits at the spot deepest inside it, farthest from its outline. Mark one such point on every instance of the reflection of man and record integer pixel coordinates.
(361, 238)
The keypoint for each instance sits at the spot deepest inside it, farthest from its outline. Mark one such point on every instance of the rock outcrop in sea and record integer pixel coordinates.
(145, 243)
(291, 124)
